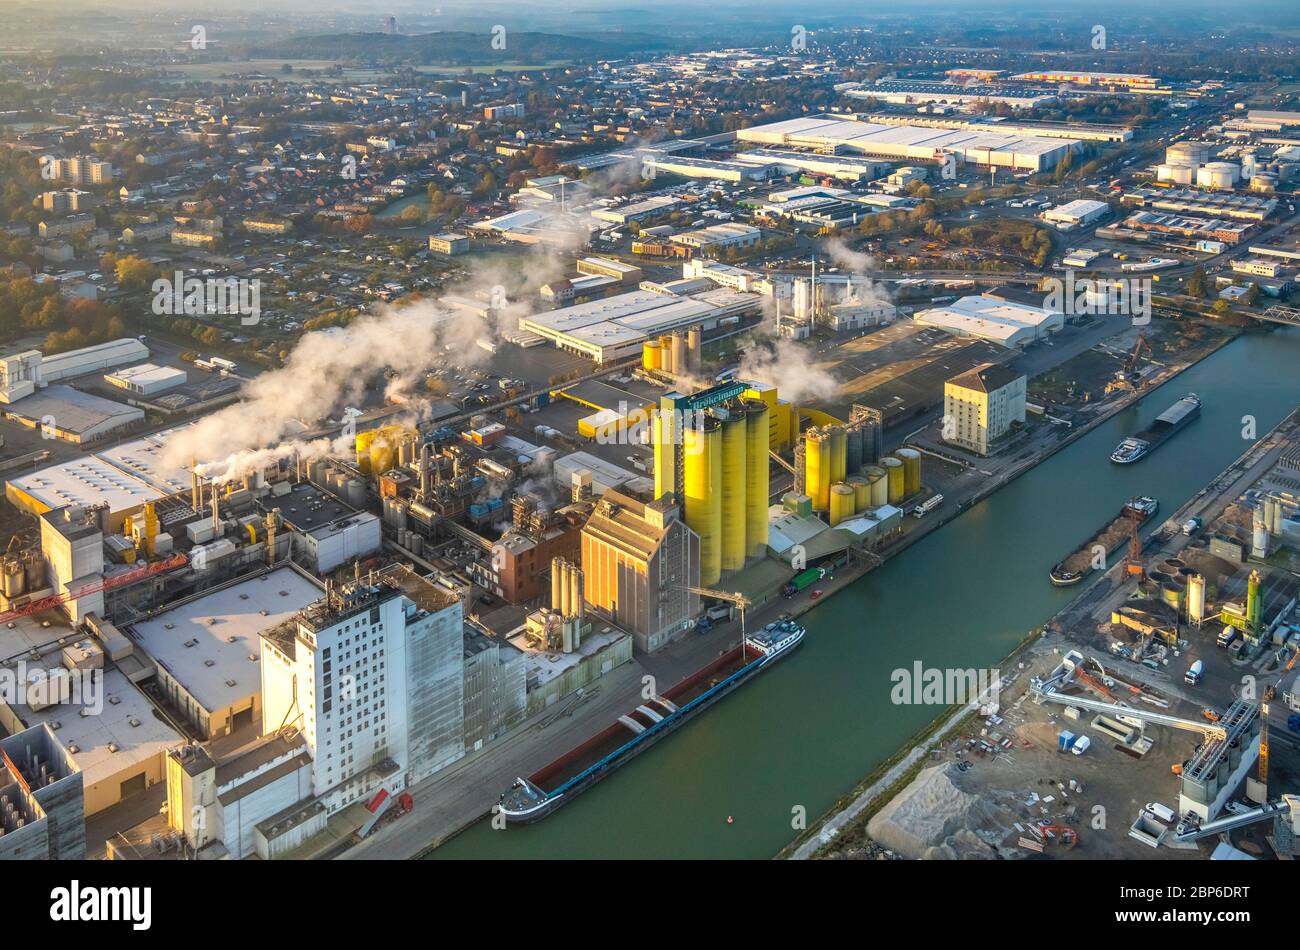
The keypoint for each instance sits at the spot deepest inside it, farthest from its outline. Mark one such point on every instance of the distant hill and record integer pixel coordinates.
(456, 49)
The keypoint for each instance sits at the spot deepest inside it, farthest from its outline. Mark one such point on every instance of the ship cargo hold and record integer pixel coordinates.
(1087, 556)
(532, 798)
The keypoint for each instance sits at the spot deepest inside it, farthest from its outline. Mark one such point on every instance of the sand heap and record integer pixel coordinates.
(934, 819)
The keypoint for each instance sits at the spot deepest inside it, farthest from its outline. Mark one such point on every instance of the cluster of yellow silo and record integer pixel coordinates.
(824, 463)
(895, 478)
(725, 489)
(377, 449)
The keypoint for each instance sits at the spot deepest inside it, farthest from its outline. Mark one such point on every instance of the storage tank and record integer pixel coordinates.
(13, 579)
(1195, 598)
(734, 482)
(1264, 182)
(911, 471)
(355, 493)
(1219, 175)
(839, 453)
(1177, 173)
(680, 364)
(650, 355)
(817, 480)
(702, 445)
(853, 452)
(878, 481)
(757, 477)
(861, 492)
(666, 354)
(694, 347)
(1188, 152)
(894, 473)
(841, 503)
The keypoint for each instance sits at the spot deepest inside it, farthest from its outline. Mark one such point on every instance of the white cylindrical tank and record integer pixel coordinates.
(1195, 598)
(1178, 173)
(1222, 176)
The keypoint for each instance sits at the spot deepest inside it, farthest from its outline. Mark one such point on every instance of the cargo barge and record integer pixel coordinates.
(1172, 420)
(533, 798)
(1083, 560)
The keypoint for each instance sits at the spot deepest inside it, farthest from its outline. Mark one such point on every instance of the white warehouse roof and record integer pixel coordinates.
(988, 318)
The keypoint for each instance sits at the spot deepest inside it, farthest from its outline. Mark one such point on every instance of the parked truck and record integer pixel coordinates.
(1194, 673)
(803, 579)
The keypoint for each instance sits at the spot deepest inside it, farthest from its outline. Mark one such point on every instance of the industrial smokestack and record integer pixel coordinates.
(216, 513)
(557, 584)
(196, 494)
(425, 487)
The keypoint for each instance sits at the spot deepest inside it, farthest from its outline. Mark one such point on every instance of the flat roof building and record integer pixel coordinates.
(146, 379)
(207, 649)
(1004, 322)
(72, 415)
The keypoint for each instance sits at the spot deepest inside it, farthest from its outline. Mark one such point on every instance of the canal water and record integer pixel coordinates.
(805, 732)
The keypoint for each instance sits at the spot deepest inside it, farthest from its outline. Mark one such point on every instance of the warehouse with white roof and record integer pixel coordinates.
(1004, 322)
(1020, 152)
(208, 649)
(614, 328)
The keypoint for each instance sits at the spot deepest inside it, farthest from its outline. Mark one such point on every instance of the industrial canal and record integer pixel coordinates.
(733, 783)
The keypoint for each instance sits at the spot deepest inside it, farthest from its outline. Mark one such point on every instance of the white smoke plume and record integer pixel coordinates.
(789, 367)
(863, 289)
(329, 369)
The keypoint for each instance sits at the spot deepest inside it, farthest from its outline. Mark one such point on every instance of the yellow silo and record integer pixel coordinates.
(894, 473)
(650, 355)
(364, 440)
(664, 473)
(839, 453)
(841, 503)
(756, 478)
(702, 446)
(735, 430)
(861, 492)
(817, 468)
(911, 471)
(878, 480)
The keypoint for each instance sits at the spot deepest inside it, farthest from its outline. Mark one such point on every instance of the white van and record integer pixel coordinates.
(1163, 812)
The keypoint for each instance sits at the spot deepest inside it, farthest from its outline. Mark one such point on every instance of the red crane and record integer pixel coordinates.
(54, 600)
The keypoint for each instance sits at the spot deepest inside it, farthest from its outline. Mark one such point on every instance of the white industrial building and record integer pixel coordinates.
(62, 412)
(1020, 152)
(1004, 322)
(374, 680)
(22, 374)
(1076, 214)
(207, 649)
(147, 378)
(615, 327)
(87, 482)
(326, 532)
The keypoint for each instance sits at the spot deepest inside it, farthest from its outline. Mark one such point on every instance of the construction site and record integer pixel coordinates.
(1157, 716)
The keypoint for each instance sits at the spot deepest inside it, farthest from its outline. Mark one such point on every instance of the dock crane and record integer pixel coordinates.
(740, 601)
(1126, 376)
